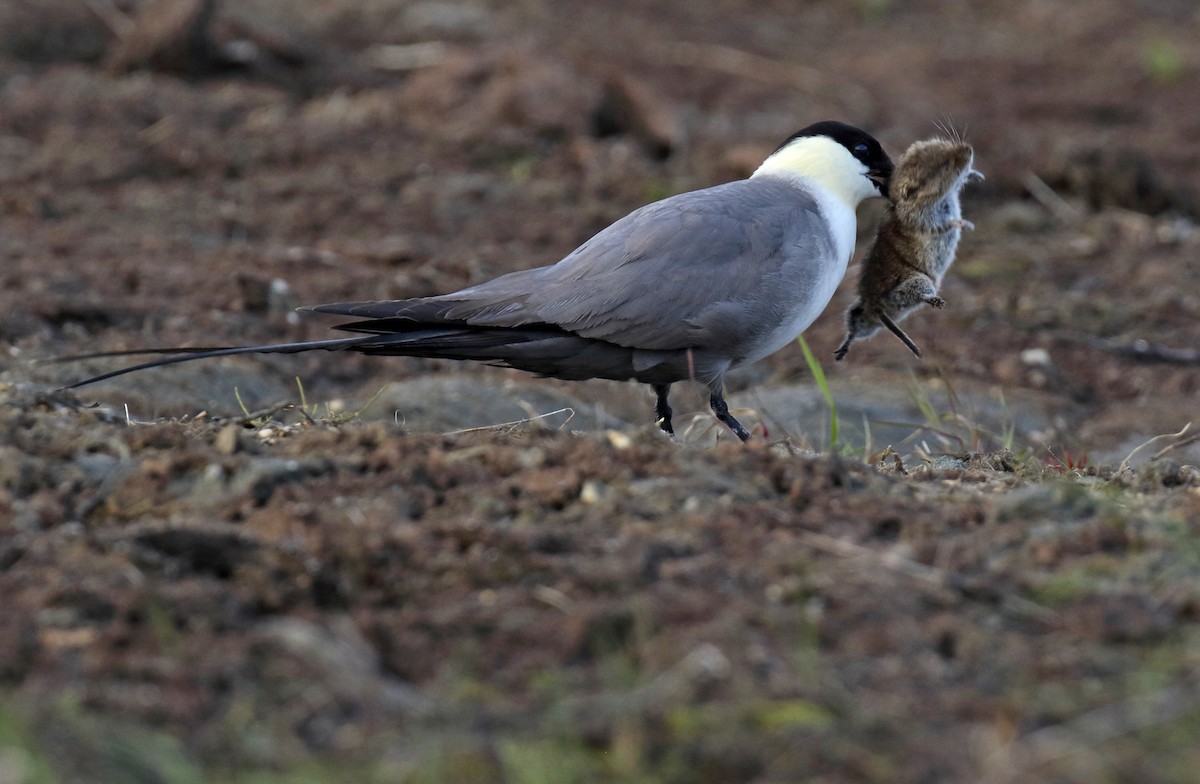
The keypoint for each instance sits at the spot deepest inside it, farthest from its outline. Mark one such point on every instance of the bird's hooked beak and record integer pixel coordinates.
(881, 175)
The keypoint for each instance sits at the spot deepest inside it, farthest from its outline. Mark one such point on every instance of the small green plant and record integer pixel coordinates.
(1162, 60)
(316, 414)
(331, 415)
(657, 189)
(1009, 436)
(818, 373)
(959, 425)
(875, 10)
(23, 756)
(952, 427)
(1067, 463)
(260, 418)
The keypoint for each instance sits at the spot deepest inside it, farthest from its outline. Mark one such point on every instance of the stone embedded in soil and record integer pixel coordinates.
(444, 403)
(1122, 177)
(209, 550)
(168, 35)
(630, 105)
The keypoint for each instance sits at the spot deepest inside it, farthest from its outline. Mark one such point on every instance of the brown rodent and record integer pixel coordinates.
(916, 241)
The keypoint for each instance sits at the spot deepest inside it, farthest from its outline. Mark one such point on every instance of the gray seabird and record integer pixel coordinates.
(686, 288)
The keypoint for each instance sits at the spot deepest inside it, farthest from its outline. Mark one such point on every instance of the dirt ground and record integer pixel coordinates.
(322, 567)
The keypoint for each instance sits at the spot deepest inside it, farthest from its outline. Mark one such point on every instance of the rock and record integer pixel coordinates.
(1022, 217)
(168, 35)
(262, 295)
(1119, 177)
(446, 403)
(472, 94)
(345, 663)
(440, 19)
(214, 550)
(630, 105)
(47, 31)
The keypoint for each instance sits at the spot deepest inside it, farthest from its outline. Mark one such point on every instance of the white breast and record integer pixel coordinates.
(840, 222)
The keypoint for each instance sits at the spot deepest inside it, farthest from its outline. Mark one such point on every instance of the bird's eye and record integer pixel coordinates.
(860, 149)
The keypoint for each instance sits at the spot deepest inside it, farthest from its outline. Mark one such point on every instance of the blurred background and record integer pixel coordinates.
(188, 171)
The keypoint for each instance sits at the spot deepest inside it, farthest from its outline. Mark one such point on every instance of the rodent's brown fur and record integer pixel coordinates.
(916, 240)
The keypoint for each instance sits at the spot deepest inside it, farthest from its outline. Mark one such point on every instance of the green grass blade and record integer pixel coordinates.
(818, 373)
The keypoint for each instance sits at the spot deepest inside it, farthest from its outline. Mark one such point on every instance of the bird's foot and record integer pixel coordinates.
(717, 402)
(662, 409)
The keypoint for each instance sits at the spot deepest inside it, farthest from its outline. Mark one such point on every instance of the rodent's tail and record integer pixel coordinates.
(895, 328)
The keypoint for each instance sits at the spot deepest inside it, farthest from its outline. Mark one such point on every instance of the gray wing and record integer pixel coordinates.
(711, 268)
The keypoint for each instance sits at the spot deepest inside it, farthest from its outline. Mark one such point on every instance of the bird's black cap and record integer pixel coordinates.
(861, 145)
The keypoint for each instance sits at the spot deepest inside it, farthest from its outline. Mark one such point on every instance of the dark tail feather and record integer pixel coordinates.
(540, 349)
(189, 354)
(134, 352)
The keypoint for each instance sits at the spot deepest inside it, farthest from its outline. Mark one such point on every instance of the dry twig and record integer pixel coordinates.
(1125, 463)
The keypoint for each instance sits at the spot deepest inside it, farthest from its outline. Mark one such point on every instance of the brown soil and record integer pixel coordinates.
(426, 572)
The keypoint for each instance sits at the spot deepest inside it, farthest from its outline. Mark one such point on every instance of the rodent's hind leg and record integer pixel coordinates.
(843, 349)
(917, 288)
(858, 325)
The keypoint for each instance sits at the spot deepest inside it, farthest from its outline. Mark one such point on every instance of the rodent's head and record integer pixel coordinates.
(928, 171)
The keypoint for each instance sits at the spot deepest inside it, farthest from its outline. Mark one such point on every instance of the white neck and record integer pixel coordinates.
(820, 161)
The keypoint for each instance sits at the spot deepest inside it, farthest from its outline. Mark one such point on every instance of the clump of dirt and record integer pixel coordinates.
(349, 592)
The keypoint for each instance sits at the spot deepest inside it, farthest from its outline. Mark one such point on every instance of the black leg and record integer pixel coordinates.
(662, 409)
(717, 401)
